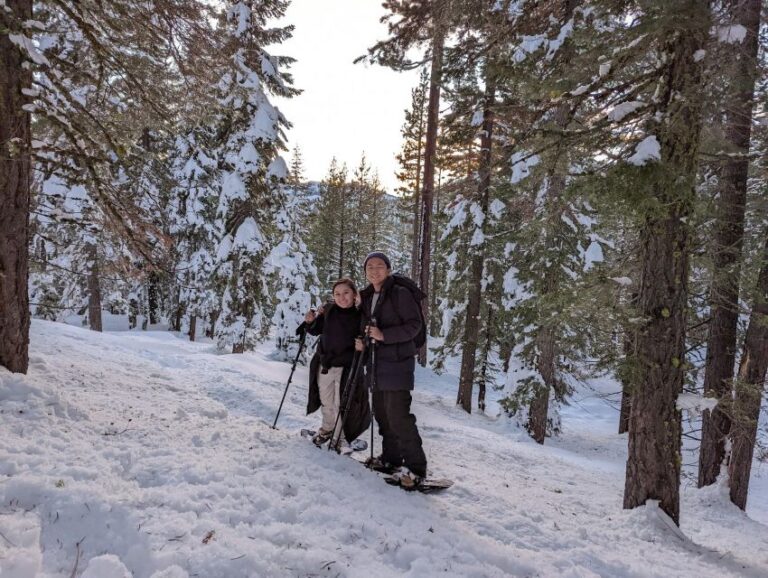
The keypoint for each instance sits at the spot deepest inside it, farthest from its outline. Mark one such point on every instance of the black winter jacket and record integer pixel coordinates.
(398, 316)
(338, 328)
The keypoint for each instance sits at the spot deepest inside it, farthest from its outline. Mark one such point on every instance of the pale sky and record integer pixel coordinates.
(345, 108)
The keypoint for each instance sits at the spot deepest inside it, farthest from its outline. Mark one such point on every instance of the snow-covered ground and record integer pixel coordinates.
(141, 454)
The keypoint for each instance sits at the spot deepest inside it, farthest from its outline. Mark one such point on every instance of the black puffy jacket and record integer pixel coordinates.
(398, 316)
(338, 328)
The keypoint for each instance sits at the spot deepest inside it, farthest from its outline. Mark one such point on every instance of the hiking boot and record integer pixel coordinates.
(377, 464)
(321, 438)
(407, 479)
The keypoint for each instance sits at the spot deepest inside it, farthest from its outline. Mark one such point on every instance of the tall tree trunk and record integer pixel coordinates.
(94, 290)
(417, 202)
(486, 361)
(211, 331)
(472, 322)
(505, 352)
(153, 298)
(430, 154)
(342, 225)
(435, 319)
(546, 337)
(728, 241)
(546, 345)
(192, 327)
(626, 376)
(748, 391)
(653, 461)
(180, 307)
(15, 177)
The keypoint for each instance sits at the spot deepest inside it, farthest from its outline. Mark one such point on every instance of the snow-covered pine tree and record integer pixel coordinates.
(642, 106)
(93, 79)
(293, 278)
(193, 226)
(251, 170)
(553, 247)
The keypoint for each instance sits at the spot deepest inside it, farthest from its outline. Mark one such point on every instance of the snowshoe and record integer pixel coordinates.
(410, 482)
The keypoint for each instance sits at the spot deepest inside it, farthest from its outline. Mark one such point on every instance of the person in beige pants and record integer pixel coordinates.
(337, 324)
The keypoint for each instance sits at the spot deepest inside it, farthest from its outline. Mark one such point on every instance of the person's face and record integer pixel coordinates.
(343, 296)
(376, 271)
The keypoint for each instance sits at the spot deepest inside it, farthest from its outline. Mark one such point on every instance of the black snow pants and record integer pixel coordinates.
(400, 436)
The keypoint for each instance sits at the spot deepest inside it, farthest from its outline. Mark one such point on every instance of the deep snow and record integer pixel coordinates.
(142, 454)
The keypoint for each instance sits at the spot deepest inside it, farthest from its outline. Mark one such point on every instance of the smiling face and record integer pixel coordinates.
(376, 272)
(343, 296)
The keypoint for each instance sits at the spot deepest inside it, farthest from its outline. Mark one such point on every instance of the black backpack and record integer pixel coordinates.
(419, 296)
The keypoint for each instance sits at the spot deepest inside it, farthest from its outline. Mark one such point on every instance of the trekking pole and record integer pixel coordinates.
(349, 389)
(290, 377)
(372, 343)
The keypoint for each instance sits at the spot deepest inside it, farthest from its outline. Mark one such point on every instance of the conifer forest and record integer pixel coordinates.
(582, 196)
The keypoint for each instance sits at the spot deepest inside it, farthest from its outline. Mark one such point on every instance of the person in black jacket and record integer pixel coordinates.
(339, 325)
(392, 319)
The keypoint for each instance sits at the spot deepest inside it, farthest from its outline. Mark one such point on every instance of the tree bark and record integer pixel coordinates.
(486, 362)
(15, 178)
(653, 462)
(342, 225)
(180, 307)
(505, 353)
(94, 290)
(546, 337)
(728, 241)
(626, 378)
(153, 298)
(211, 331)
(748, 391)
(435, 319)
(430, 154)
(417, 200)
(192, 327)
(538, 412)
(472, 322)
(626, 408)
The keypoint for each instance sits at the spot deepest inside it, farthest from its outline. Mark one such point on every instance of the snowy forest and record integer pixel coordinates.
(581, 196)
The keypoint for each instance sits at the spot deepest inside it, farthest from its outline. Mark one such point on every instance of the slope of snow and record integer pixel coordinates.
(141, 454)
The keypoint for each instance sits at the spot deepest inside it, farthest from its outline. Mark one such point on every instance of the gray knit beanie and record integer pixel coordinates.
(380, 255)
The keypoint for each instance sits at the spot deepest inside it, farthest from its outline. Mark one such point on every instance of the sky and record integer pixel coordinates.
(345, 108)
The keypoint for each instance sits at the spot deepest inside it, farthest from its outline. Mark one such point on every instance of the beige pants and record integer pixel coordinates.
(330, 396)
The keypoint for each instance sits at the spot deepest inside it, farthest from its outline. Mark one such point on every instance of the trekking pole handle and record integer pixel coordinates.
(372, 323)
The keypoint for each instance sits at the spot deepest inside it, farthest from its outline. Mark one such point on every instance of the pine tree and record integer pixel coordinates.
(251, 170)
(91, 77)
(293, 278)
(193, 220)
(296, 171)
(329, 228)
(414, 25)
(747, 391)
(411, 160)
(741, 63)
(653, 464)
(15, 173)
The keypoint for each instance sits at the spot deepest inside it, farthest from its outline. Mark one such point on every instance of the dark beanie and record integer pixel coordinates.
(380, 255)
